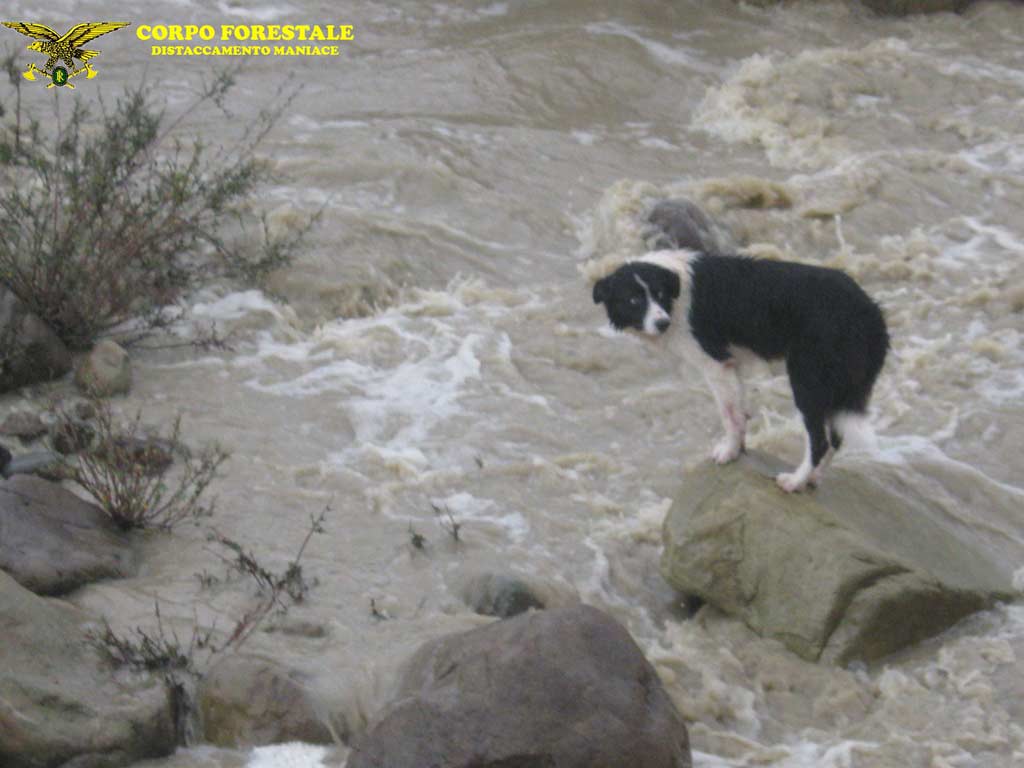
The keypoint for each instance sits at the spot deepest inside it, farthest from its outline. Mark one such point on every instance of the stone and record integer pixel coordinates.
(43, 463)
(24, 424)
(52, 542)
(907, 7)
(678, 224)
(69, 436)
(249, 701)
(105, 371)
(5, 457)
(30, 352)
(565, 687)
(63, 704)
(507, 594)
(854, 570)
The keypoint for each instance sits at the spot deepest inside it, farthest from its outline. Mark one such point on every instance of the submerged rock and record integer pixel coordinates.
(43, 463)
(105, 371)
(250, 701)
(852, 571)
(29, 351)
(507, 594)
(565, 687)
(62, 703)
(898, 7)
(52, 542)
(23, 424)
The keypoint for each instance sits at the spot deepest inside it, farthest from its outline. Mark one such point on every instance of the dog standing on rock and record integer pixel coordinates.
(717, 311)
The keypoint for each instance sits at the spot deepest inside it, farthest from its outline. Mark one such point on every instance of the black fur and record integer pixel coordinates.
(625, 299)
(831, 334)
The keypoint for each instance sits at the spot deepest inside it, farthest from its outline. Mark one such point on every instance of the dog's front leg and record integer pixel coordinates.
(727, 387)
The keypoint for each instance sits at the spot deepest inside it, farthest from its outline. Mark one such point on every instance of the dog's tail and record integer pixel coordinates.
(852, 429)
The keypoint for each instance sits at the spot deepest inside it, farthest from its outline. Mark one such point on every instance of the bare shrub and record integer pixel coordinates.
(130, 477)
(110, 216)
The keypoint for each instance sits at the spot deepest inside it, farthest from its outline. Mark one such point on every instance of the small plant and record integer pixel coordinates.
(158, 651)
(162, 653)
(418, 540)
(129, 475)
(154, 651)
(278, 591)
(378, 613)
(448, 522)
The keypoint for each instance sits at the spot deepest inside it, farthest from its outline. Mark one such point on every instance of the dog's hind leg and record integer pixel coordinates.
(816, 448)
(727, 387)
(835, 442)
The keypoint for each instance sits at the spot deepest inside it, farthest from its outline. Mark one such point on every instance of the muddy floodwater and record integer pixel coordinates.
(435, 356)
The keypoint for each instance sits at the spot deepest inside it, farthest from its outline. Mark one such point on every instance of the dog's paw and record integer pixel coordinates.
(727, 449)
(791, 482)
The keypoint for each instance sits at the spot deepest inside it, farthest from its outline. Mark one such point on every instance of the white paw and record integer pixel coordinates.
(791, 482)
(727, 449)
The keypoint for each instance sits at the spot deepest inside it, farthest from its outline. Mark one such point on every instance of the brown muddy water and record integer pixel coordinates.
(437, 346)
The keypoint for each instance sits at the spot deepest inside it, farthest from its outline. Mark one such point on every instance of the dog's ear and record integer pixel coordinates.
(674, 285)
(601, 290)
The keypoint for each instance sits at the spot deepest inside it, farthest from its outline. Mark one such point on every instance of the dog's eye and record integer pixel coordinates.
(635, 300)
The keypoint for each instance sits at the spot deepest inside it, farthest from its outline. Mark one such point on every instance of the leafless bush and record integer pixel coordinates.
(130, 475)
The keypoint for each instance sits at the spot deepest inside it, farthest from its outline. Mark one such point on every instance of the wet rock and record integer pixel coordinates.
(897, 7)
(69, 436)
(564, 687)
(248, 701)
(506, 594)
(678, 224)
(84, 410)
(45, 464)
(852, 571)
(52, 542)
(29, 351)
(24, 424)
(105, 371)
(5, 457)
(62, 703)
(906, 7)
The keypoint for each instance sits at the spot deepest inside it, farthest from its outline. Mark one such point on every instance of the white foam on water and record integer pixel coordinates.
(289, 755)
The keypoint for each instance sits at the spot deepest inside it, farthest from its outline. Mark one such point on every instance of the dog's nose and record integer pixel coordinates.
(662, 325)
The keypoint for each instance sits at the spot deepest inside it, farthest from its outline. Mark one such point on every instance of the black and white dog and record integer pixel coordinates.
(830, 333)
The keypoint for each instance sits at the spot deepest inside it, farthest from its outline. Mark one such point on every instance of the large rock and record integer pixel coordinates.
(61, 704)
(29, 351)
(565, 688)
(51, 541)
(105, 371)
(854, 570)
(250, 701)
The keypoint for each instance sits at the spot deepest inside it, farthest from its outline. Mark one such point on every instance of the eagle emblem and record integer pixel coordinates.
(66, 48)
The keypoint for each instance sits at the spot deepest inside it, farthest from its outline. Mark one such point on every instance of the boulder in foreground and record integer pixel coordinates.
(565, 688)
(61, 704)
(855, 570)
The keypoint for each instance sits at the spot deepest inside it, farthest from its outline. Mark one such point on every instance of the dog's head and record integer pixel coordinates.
(638, 296)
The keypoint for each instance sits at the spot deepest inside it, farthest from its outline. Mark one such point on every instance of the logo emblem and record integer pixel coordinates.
(66, 48)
